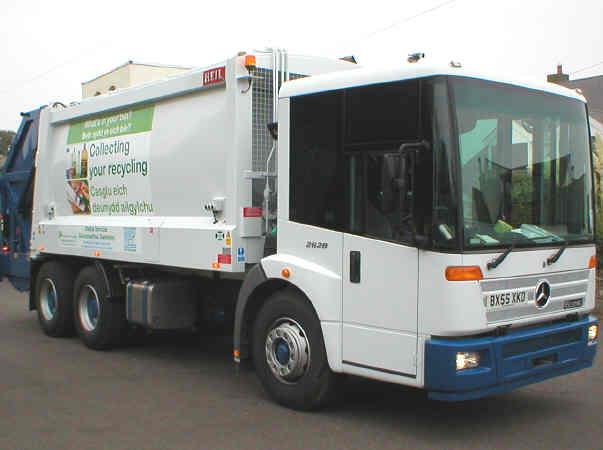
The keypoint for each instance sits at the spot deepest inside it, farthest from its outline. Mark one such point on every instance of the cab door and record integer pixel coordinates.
(384, 136)
(380, 305)
(380, 272)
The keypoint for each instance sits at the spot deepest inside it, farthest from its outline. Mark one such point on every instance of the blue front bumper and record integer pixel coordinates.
(507, 362)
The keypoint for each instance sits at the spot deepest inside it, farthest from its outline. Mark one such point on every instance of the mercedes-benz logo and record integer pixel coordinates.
(543, 293)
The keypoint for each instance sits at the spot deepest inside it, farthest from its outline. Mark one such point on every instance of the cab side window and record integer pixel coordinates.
(345, 164)
(316, 161)
(379, 119)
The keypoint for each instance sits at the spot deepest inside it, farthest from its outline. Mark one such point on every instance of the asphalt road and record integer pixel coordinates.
(176, 391)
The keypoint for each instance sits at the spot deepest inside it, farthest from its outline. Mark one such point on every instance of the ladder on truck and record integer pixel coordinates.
(16, 198)
(266, 85)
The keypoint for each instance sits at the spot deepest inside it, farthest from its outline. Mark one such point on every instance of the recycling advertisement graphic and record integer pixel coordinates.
(108, 164)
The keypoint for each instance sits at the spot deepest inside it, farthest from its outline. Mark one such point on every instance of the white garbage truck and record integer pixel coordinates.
(422, 225)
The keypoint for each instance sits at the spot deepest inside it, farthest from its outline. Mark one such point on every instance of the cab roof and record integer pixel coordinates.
(370, 76)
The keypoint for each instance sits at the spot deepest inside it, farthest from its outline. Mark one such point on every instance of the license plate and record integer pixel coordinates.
(505, 299)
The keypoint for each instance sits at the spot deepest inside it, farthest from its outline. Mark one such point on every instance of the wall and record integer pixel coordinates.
(127, 75)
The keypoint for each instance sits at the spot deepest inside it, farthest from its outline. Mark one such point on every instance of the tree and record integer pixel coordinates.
(598, 169)
(6, 138)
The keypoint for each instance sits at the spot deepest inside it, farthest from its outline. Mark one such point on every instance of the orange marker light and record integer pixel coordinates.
(464, 273)
(250, 62)
(97, 253)
(215, 265)
(592, 262)
(236, 353)
(286, 273)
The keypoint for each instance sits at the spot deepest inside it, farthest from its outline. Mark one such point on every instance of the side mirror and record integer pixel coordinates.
(410, 155)
(387, 187)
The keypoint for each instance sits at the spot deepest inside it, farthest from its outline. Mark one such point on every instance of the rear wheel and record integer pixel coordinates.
(289, 353)
(53, 294)
(100, 322)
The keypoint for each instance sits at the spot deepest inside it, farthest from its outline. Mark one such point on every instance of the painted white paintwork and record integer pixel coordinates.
(321, 282)
(367, 76)
(380, 312)
(284, 138)
(453, 308)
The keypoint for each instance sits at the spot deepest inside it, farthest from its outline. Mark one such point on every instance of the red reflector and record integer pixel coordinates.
(252, 212)
(225, 259)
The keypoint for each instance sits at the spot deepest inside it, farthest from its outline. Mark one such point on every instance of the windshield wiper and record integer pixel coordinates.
(554, 258)
(500, 258)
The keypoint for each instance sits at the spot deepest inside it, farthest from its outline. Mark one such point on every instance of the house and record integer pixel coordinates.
(128, 74)
(590, 87)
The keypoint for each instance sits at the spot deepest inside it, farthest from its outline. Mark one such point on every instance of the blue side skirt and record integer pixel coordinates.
(507, 362)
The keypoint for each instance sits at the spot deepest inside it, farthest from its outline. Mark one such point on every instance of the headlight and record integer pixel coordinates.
(467, 360)
(593, 334)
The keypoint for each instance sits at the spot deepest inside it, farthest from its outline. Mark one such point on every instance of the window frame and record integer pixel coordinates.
(347, 149)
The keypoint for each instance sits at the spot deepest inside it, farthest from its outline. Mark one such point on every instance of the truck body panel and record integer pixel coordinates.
(131, 176)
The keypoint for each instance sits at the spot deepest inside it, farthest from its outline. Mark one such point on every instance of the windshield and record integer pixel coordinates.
(525, 174)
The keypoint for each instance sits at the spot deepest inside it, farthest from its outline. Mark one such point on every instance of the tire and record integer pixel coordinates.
(289, 353)
(53, 299)
(100, 322)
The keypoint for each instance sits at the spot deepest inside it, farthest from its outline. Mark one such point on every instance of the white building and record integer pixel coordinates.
(126, 75)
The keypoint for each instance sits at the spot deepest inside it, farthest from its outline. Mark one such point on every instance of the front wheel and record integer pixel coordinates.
(289, 353)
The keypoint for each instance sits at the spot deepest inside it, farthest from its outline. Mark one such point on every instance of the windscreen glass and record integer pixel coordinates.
(524, 166)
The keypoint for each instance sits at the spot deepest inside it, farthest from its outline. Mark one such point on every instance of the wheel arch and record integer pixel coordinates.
(256, 289)
(34, 268)
(318, 286)
(115, 288)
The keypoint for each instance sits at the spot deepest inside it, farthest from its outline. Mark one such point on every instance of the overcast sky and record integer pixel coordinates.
(47, 48)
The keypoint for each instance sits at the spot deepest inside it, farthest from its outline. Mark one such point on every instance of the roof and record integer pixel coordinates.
(368, 76)
(134, 63)
(592, 89)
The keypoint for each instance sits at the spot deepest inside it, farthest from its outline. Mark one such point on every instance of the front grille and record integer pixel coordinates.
(541, 343)
(565, 286)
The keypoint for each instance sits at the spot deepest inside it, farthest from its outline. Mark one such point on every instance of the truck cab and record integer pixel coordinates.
(441, 224)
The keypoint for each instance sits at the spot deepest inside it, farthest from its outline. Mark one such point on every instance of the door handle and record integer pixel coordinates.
(355, 266)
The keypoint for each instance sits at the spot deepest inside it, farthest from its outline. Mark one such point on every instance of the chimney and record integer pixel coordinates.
(349, 59)
(559, 77)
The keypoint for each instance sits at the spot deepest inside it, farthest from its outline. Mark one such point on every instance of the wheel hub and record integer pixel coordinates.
(89, 307)
(287, 350)
(282, 352)
(48, 299)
